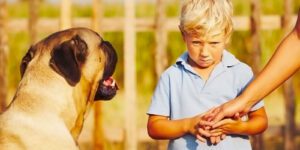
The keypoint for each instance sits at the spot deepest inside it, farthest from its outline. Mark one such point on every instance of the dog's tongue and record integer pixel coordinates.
(109, 82)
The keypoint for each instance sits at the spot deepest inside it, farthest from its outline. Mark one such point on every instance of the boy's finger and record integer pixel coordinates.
(208, 115)
(218, 139)
(217, 134)
(215, 130)
(223, 136)
(200, 138)
(204, 132)
(205, 123)
(237, 116)
(220, 123)
(213, 139)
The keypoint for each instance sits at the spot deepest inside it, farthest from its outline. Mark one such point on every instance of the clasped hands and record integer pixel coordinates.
(204, 129)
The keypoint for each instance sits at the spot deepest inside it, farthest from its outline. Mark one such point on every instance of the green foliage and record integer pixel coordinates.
(272, 7)
(49, 11)
(145, 57)
(113, 10)
(240, 45)
(18, 10)
(18, 46)
(145, 10)
(116, 39)
(241, 7)
(175, 46)
(172, 9)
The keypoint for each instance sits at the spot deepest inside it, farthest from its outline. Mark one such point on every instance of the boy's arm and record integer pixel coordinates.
(160, 127)
(256, 124)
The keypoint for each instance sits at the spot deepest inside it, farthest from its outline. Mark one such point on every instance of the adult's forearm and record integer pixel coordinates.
(283, 64)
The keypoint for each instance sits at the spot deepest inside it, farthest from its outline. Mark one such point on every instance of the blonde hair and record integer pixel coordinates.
(205, 16)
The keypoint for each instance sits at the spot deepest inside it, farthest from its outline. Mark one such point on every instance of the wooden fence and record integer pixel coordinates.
(241, 23)
(130, 25)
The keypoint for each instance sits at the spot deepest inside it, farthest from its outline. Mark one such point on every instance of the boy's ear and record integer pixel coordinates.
(182, 33)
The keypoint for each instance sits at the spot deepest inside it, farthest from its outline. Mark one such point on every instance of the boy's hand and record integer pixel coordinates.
(196, 127)
(217, 138)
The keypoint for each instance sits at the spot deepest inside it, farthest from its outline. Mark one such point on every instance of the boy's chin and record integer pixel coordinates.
(205, 65)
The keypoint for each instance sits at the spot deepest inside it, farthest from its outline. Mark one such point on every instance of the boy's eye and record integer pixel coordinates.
(214, 43)
(196, 42)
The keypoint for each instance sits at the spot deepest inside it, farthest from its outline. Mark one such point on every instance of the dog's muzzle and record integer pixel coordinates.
(107, 85)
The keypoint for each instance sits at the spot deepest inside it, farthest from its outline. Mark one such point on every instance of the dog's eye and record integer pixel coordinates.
(72, 42)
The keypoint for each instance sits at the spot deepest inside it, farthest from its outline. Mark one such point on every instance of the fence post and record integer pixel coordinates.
(288, 90)
(257, 142)
(130, 75)
(161, 59)
(65, 14)
(99, 138)
(33, 19)
(3, 55)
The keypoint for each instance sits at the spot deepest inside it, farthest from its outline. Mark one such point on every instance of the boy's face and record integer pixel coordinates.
(204, 51)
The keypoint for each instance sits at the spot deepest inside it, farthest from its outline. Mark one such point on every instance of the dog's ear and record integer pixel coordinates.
(26, 59)
(68, 58)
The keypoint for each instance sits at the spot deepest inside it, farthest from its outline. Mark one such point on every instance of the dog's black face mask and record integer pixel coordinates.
(107, 88)
(68, 57)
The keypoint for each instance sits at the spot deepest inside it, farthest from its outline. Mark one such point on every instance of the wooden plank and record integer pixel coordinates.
(98, 133)
(130, 76)
(160, 53)
(33, 20)
(161, 38)
(3, 55)
(255, 22)
(288, 89)
(65, 14)
(241, 23)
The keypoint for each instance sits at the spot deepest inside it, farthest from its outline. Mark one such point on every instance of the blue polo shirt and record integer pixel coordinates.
(181, 93)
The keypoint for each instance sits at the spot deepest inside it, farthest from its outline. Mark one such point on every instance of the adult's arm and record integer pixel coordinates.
(283, 64)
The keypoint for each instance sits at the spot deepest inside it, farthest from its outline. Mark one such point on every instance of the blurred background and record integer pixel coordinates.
(146, 36)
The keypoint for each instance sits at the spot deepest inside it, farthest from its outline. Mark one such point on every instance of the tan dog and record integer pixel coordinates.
(61, 76)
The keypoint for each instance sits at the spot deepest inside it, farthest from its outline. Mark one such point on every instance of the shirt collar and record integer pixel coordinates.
(228, 59)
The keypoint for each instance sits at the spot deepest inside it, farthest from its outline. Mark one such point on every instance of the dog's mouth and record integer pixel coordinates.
(107, 89)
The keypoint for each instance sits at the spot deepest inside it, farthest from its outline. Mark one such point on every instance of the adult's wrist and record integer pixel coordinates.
(246, 102)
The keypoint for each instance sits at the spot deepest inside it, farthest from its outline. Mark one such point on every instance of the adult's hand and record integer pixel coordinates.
(232, 108)
(297, 26)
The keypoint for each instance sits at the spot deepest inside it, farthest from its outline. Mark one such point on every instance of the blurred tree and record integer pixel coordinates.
(3, 54)
(99, 139)
(33, 19)
(288, 89)
(257, 143)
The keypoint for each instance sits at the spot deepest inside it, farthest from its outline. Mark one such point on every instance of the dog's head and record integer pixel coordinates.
(79, 54)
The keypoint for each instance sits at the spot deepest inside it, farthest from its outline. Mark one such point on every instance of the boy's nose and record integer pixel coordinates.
(205, 50)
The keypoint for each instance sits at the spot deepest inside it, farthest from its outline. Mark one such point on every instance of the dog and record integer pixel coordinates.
(61, 76)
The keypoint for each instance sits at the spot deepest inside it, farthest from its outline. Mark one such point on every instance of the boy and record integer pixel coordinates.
(203, 77)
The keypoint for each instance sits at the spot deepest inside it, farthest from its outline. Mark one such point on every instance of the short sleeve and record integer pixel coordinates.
(245, 77)
(160, 102)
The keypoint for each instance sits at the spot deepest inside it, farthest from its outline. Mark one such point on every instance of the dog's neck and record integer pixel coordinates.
(55, 98)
